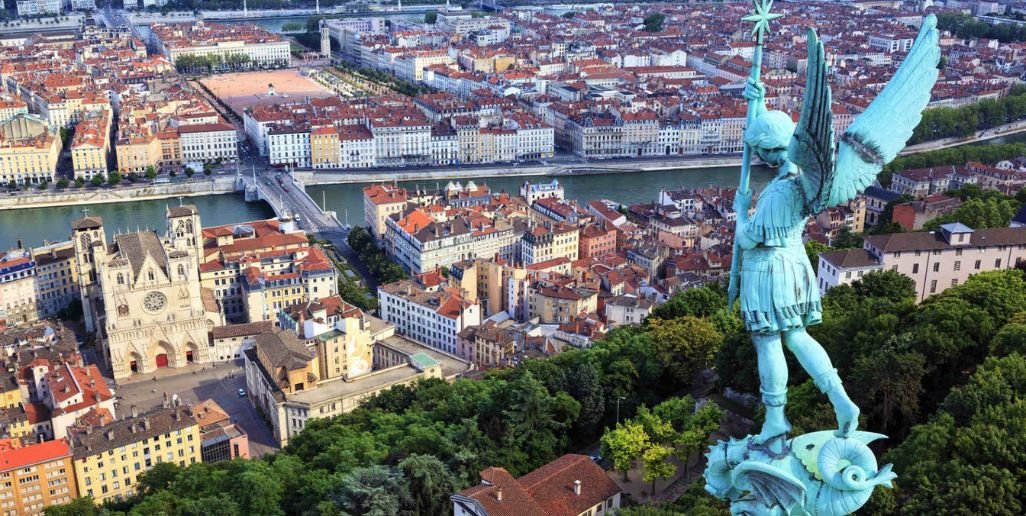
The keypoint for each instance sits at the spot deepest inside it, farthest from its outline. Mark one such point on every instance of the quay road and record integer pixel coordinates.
(283, 193)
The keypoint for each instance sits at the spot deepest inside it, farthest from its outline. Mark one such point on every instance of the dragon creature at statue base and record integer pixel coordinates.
(816, 474)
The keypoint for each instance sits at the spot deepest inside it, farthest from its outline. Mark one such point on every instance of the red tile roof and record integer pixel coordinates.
(34, 454)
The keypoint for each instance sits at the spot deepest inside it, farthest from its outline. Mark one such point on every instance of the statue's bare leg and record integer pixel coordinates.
(772, 384)
(817, 363)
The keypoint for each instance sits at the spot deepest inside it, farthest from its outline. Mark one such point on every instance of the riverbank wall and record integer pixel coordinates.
(86, 195)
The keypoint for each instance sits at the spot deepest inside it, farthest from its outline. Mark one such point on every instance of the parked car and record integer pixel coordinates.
(242, 393)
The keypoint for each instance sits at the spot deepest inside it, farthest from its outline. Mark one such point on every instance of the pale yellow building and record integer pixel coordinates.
(348, 358)
(325, 148)
(495, 285)
(28, 150)
(109, 459)
(90, 147)
(36, 476)
(138, 151)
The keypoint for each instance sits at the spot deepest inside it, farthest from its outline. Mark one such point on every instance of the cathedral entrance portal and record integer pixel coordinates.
(162, 360)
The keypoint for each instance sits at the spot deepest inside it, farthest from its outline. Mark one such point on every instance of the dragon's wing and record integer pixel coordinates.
(812, 146)
(771, 486)
(883, 129)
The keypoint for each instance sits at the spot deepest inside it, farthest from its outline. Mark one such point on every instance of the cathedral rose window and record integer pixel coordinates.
(154, 302)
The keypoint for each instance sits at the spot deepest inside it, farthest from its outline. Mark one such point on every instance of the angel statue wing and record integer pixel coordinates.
(874, 138)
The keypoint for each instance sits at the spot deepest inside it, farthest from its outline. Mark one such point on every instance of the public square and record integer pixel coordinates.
(247, 89)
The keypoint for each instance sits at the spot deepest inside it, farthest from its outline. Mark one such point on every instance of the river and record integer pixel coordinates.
(35, 225)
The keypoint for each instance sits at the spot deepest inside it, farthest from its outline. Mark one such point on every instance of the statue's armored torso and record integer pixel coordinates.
(778, 285)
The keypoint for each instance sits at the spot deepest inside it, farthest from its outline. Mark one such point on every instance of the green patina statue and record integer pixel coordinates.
(830, 472)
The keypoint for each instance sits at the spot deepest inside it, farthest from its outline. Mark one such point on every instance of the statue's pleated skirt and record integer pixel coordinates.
(778, 289)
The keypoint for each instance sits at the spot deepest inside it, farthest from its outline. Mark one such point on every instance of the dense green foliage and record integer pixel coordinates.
(945, 379)
(383, 269)
(654, 22)
(966, 26)
(982, 209)
(431, 18)
(943, 122)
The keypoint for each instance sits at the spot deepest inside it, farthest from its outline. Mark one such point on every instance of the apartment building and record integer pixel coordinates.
(627, 309)
(496, 285)
(935, 261)
(420, 243)
(541, 244)
(557, 304)
(255, 269)
(36, 476)
(17, 288)
(90, 147)
(28, 150)
(380, 202)
(432, 317)
(38, 7)
(208, 142)
(108, 459)
(260, 47)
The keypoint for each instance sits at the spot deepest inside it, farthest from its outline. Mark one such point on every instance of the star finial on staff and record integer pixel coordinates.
(761, 18)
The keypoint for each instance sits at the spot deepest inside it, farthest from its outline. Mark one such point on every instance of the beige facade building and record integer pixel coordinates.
(255, 269)
(316, 374)
(558, 304)
(935, 261)
(28, 150)
(379, 203)
(56, 277)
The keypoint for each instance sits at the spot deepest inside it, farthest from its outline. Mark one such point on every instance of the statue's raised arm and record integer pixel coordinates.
(875, 137)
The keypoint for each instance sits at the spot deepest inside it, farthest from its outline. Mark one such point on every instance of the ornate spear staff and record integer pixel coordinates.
(760, 18)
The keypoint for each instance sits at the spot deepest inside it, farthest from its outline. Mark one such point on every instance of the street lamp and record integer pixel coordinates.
(618, 408)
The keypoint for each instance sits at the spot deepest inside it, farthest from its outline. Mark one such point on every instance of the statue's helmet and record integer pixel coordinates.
(771, 130)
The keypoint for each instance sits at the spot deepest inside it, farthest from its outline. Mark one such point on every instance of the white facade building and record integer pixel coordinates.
(432, 318)
(208, 142)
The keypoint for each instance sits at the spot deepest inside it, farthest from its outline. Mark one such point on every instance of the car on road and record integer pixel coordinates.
(242, 393)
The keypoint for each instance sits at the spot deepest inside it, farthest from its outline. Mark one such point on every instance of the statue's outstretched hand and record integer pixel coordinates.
(742, 201)
(754, 90)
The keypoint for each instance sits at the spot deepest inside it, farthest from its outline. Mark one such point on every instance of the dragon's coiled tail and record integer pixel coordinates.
(849, 471)
(839, 475)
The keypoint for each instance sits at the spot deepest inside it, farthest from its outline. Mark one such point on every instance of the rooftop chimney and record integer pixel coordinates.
(135, 412)
(146, 423)
(577, 487)
(110, 435)
(498, 493)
